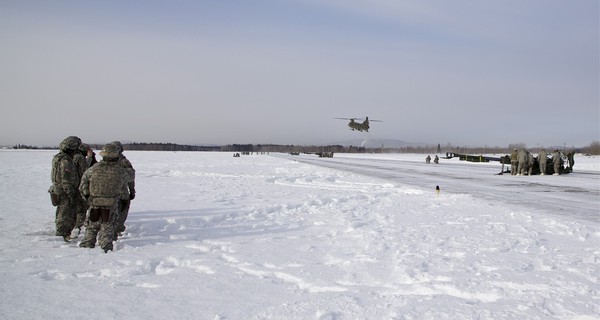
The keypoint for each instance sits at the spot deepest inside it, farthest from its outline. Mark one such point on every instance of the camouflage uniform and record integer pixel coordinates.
(556, 162)
(530, 161)
(543, 158)
(105, 185)
(65, 180)
(571, 159)
(81, 164)
(125, 203)
(514, 162)
(522, 162)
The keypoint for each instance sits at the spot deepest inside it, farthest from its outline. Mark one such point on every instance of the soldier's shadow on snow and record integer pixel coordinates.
(147, 228)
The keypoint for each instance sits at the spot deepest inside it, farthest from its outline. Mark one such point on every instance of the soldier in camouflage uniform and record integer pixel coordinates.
(65, 180)
(522, 156)
(514, 162)
(542, 159)
(125, 203)
(105, 185)
(81, 164)
(556, 162)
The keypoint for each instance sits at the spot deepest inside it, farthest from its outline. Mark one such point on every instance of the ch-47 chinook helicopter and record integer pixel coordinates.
(359, 126)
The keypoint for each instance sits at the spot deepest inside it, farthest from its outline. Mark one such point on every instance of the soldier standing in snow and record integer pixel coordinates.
(530, 161)
(436, 160)
(556, 162)
(522, 162)
(81, 164)
(105, 185)
(428, 159)
(514, 162)
(542, 159)
(65, 180)
(125, 203)
(571, 159)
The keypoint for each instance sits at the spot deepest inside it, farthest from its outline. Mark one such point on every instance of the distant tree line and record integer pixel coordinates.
(592, 149)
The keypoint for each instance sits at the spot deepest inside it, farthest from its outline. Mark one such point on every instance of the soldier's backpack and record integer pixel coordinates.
(107, 186)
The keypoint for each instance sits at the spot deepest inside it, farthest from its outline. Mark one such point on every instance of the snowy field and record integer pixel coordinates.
(211, 236)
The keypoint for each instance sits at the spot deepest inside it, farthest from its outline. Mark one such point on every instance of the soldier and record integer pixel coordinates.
(543, 158)
(522, 162)
(571, 159)
(90, 156)
(104, 185)
(530, 161)
(556, 162)
(81, 164)
(428, 159)
(436, 160)
(514, 162)
(125, 203)
(65, 180)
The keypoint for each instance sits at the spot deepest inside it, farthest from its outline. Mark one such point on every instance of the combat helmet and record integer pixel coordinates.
(119, 144)
(84, 148)
(70, 143)
(110, 151)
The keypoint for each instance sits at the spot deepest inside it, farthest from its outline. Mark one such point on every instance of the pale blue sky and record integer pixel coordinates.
(198, 72)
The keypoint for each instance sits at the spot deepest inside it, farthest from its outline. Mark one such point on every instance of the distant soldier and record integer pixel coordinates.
(542, 159)
(65, 180)
(571, 159)
(436, 160)
(556, 162)
(522, 162)
(428, 159)
(105, 185)
(530, 161)
(514, 162)
(125, 203)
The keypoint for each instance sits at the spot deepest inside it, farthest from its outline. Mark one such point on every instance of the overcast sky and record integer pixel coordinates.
(469, 73)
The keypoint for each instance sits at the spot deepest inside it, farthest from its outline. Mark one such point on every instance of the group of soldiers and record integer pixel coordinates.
(436, 160)
(524, 163)
(91, 194)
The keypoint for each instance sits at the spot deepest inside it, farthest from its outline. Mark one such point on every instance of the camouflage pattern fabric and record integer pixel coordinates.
(542, 159)
(81, 211)
(522, 162)
(102, 230)
(105, 184)
(556, 159)
(514, 162)
(125, 204)
(65, 180)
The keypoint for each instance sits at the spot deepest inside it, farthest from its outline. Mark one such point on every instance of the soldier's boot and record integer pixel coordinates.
(87, 244)
(107, 247)
(89, 238)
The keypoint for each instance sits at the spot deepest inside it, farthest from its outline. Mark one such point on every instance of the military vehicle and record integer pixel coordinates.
(359, 126)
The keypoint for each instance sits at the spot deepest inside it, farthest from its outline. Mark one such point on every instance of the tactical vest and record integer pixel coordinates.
(107, 185)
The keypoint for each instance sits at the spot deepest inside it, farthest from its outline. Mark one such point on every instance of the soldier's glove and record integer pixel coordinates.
(132, 195)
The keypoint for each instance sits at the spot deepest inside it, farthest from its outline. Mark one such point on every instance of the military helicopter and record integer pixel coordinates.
(359, 126)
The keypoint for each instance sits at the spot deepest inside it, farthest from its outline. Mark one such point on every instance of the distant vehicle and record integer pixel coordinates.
(359, 126)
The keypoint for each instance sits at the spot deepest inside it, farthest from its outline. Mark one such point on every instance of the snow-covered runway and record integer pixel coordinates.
(211, 236)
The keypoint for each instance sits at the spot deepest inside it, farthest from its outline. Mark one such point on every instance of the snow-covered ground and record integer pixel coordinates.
(211, 236)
